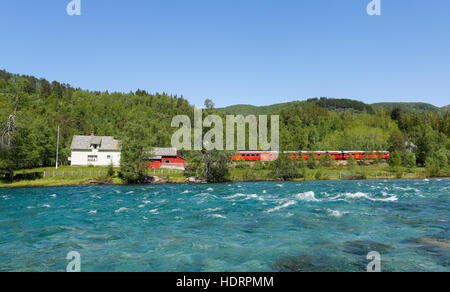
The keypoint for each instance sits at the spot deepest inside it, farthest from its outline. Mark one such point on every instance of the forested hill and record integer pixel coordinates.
(417, 107)
(42, 106)
(145, 119)
(246, 109)
(332, 104)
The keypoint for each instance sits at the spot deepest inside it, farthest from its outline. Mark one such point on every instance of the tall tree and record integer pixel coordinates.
(209, 104)
(134, 144)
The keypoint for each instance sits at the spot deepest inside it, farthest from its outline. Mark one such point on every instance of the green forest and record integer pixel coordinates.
(32, 109)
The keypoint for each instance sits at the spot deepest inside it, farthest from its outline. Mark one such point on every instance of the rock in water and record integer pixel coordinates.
(363, 247)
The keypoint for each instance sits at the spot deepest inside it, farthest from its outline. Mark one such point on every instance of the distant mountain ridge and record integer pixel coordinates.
(331, 104)
(409, 106)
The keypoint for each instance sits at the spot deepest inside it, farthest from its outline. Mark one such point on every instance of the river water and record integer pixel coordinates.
(248, 227)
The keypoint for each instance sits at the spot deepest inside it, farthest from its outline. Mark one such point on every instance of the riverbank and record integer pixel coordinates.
(70, 176)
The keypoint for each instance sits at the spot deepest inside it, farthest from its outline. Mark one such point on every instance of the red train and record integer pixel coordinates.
(336, 155)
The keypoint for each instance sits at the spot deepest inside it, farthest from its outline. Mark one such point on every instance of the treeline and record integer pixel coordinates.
(426, 135)
(33, 108)
(38, 107)
(341, 104)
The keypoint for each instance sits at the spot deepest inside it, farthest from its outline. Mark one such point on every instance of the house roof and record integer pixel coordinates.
(104, 143)
(164, 151)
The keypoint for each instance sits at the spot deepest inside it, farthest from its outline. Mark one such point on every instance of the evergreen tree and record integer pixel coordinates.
(395, 161)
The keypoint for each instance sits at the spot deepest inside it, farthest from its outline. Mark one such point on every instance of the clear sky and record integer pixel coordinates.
(236, 51)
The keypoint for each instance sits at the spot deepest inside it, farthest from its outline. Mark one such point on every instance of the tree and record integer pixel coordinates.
(397, 142)
(284, 168)
(395, 161)
(397, 114)
(428, 142)
(132, 156)
(432, 166)
(410, 160)
(23, 152)
(7, 145)
(351, 162)
(209, 104)
(442, 156)
(311, 163)
(46, 88)
(326, 160)
(215, 166)
(111, 171)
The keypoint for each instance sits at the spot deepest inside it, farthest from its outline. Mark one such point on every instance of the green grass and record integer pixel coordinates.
(338, 173)
(67, 175)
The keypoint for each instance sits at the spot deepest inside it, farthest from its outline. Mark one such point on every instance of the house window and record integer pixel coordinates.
(108, 157)
(167, 161)
(92, 158)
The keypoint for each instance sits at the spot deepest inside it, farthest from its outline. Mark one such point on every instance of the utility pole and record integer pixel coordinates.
(57, 149)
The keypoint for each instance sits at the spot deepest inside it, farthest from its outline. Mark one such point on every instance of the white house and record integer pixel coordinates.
(95, 150)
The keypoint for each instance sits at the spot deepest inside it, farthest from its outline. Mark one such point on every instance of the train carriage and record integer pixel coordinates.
(305, 155)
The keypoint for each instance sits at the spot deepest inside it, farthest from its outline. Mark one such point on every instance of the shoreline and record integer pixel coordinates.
(5, 186)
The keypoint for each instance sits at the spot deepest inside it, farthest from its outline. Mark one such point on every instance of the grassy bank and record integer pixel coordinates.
(339, 173)
(67, 175)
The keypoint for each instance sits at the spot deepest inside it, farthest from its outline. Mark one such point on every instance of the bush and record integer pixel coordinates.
(242, 165)
(258, 165)
(432, 166)
(311, 163)
(28, 176)
(409, 160)
(395, 161)
(284, 168)
(326, 160)
(442, 156)
(351, 162)
(319, 174)
(111, 171)
(215, 166)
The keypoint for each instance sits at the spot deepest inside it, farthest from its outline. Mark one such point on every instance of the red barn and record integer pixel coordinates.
(165, 158)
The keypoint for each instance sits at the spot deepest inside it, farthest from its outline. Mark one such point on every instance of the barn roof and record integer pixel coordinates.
(164, 151)
(85, 142)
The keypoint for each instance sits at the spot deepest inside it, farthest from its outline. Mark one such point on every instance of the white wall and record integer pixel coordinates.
(80, 158)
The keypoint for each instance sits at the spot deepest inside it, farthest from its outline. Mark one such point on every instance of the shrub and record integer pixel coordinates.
(409, 160)
(284, 168)
(215, 166)
(442, 156)
(111, 171)
(432, 166)
(351, 162)
(311, 163)
(395, 161)
(326, 160)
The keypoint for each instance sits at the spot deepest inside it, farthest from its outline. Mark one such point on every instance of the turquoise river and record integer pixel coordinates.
(235, 227)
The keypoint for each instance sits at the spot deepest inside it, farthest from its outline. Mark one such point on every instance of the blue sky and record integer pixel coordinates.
(236, 51)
